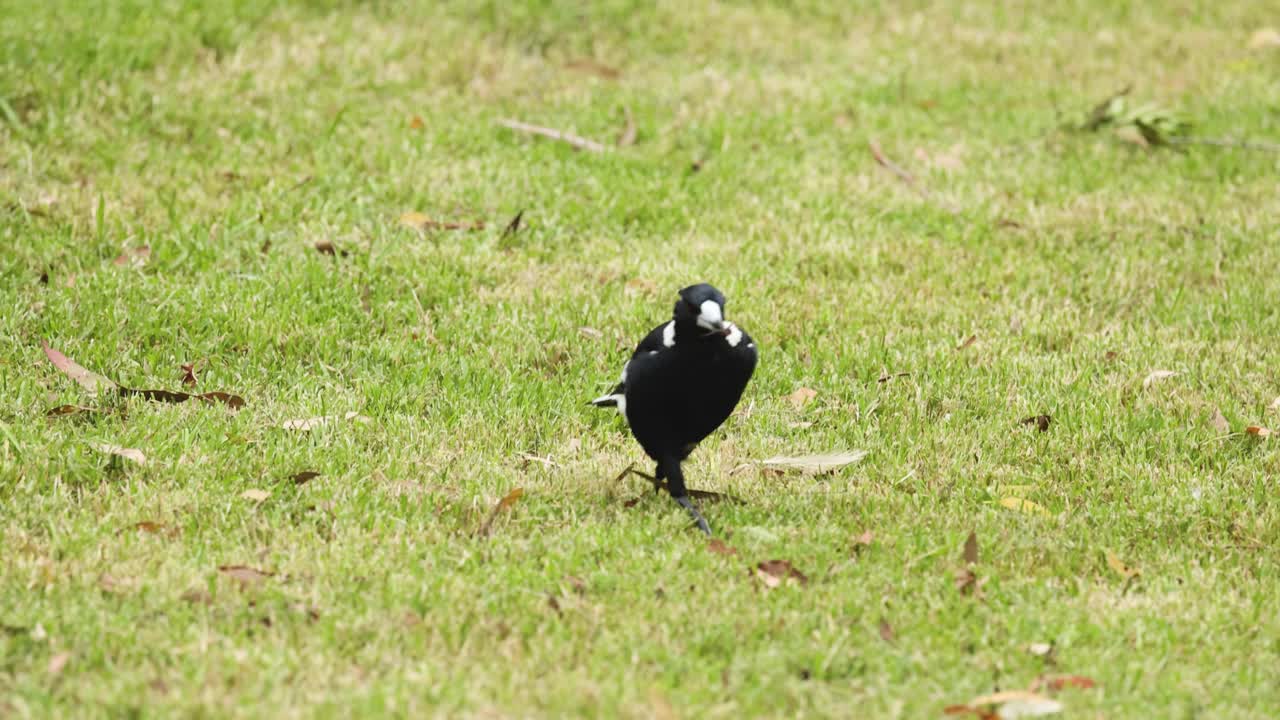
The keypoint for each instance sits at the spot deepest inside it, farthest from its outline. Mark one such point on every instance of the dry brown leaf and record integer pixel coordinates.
(419, 221)
(124, 452)
(1111, 356)
(505, 503)
(592, 67)
(967, 583)
(87, 380)
(235, 402)
(133, 256)
(801, 397)
(719, 547)
(1008, 705)
(304, 477)
(189, 374)
(196, 596)
(1264, 38)
(58, 663)
(416, 123)
(244, 574)
(1219, 422)
(971, 548)
(1024, 506)
(1040, 421)
(774, 572)
(1117, 565)
(864, 540)
(886, 631)
(65, 410)
(1156, 376)
(591, 332)
(326, 247)
(969, 341)
(255, 495)
(155, 528)
(1258, 431)
(1060, 682)
(825, 462)
(800, 425)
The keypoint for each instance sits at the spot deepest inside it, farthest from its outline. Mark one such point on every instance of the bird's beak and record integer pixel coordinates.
(712, 320)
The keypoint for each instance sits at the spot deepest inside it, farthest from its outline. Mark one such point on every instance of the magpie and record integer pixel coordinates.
(683, 380)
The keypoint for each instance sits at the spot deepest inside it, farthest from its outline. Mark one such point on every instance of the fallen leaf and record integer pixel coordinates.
(124, 452)
(1275, 405)
(971, 548)
(591, 332)
(189, 374)
(1012, 704)
(419, 221)
(1258, 431)
(801, 397)
(825, 462)
(800, 425)
(235, 402)
(1219, 422)
(1156, 376)
(591, 67)
(244, 574)
(1040, 649)
(326, 247)
(1040, 421)
(718, 546)
(1264, 38)
(255, 495)
(774, 572)
(514, 226)
(967, 342)
(864, 540)
(416, 123)
(58, 663)
(1060, 682)
(1111, 355)
(1024, 506)
(1117, 565)
(196, 597)
(886, 631)
(64, 410)
(133, 256)
(154, 528)
(87, 380)
(306, 424)
(304, 477)
(505, 503)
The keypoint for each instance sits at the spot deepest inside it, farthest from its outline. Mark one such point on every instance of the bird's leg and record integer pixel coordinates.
(675, 484)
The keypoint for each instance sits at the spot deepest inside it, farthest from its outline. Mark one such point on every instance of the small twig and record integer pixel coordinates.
(1226, 142)
(908, 179)
(628, 135)
(579, 143)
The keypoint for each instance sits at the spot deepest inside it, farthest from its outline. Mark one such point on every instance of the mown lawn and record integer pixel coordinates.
(1027, 269)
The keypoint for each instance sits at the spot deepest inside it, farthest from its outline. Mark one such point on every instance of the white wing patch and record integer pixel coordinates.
(735, 336)
(669, 334)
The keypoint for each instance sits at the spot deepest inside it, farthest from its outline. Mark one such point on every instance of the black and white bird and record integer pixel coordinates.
(682, 382)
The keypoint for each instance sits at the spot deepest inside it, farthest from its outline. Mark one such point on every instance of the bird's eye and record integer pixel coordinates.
(692, 308)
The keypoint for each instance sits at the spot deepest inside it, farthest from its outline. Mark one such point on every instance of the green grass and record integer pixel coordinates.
(208, 130)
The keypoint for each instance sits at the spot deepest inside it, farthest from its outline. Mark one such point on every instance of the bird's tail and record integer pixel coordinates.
(606, 401)
(616, 397)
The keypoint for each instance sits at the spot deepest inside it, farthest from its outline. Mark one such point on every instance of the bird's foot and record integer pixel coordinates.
(697, 516)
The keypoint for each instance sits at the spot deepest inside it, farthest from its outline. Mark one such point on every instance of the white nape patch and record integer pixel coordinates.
(735, 336)
(669, 334)
(710, 317)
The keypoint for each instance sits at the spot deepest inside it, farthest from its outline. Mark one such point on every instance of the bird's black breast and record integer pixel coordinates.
(678, 395)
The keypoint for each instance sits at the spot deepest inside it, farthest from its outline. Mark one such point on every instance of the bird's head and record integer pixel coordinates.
(701, 306)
